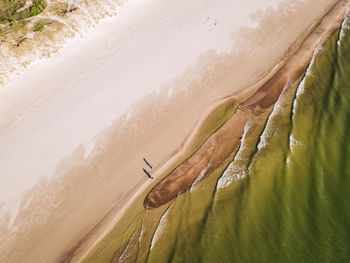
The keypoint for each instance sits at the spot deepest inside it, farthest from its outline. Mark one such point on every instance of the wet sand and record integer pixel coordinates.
(223, 144)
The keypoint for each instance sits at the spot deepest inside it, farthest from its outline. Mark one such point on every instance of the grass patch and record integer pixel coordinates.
(9, 9)
(17, 25)
(41, 24)
(62, 8)
(37, 7)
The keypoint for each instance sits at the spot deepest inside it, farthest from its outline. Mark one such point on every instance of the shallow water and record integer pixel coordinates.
(284, 198)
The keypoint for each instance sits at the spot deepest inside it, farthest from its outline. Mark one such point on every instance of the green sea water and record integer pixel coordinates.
(285, 197)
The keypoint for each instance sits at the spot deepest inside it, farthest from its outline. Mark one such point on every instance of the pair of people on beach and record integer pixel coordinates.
(147, 173)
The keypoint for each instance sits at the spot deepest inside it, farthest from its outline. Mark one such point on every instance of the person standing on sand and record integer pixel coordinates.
(150, 166)
(149, 176)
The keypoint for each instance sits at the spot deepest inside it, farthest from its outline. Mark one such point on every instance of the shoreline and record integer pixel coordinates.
(337, 12)
(91, 181)
(225, 141)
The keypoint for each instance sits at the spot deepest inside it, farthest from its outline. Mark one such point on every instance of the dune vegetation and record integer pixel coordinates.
(12, 10)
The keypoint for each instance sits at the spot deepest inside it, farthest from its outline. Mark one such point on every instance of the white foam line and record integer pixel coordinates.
(301, 85)
(269, 131)
(201, 176)
(293, 143)
(231, 173)
(160, 229)
(345, 25)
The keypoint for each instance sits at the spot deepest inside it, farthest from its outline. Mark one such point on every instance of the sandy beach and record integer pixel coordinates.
(74, 129)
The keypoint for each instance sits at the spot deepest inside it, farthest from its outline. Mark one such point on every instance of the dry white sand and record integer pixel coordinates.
(59, 104)
(74, 128)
